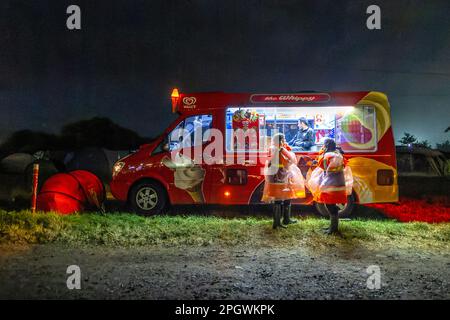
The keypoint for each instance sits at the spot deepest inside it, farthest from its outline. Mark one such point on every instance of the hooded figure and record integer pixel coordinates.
(331, 183)
(332, 187)
(283, 180)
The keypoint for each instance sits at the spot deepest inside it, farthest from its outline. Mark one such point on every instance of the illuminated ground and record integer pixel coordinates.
(214, 272)
(229, 255)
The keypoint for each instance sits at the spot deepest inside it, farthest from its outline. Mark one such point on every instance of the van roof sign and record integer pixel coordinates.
(194, 101)
(290, 98)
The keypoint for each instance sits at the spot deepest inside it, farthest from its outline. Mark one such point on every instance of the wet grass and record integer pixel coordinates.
(124, 229)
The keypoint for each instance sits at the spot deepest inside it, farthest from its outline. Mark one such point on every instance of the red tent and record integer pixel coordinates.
(71, 192)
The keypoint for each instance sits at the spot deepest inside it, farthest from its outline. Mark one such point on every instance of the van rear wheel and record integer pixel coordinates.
(345, 209)
(148, 198)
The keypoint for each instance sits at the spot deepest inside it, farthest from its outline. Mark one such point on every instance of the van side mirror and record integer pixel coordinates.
(166, 147)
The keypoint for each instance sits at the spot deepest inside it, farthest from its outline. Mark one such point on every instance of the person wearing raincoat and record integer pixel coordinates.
(328, 183)
(283, 181)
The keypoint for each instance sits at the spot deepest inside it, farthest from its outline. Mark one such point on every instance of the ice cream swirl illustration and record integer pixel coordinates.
(188, 176)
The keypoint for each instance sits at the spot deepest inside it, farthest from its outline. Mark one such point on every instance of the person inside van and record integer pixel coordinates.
(290, 131)
(304, 138)
(283, 181)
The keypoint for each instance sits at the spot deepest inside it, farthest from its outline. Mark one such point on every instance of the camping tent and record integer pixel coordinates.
(99, 161)
(70, 192)
(16, 174)
(15, 163)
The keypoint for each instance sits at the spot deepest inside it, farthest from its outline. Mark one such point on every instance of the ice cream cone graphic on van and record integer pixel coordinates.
(188, 176)
(196, 193)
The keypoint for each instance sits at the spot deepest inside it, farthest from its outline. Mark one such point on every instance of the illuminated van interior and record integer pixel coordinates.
(353, 128)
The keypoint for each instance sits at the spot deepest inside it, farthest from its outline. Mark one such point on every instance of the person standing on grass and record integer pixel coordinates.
(283, 181)
(331, 188)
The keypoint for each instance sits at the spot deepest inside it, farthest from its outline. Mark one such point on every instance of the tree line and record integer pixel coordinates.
(409, 139)
(96, 132)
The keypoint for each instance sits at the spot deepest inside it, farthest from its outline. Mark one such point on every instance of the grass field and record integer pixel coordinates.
(123, 229)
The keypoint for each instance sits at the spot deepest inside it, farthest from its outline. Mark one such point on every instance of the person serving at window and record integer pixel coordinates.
(304, 138)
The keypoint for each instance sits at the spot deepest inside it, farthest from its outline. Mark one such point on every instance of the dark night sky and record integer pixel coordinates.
(129, 54)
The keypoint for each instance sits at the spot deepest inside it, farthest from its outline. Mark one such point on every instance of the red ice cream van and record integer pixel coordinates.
(216, 150)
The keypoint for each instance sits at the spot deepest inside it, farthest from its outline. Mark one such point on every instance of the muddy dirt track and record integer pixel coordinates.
(39, 272)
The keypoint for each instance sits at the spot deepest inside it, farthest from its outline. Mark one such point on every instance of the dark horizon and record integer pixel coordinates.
(128, 56)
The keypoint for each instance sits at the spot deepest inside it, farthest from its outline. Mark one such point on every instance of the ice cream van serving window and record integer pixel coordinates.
(305, 128)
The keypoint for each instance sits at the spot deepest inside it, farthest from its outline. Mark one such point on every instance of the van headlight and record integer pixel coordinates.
(117, 167)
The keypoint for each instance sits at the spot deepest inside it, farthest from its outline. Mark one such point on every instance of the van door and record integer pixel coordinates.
(186, 144)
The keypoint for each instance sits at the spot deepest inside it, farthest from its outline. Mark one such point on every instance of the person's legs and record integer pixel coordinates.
(287, 213)
(334, 219)
(277, 208)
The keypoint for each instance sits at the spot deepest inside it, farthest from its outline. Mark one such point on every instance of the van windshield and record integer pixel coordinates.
(305, 128)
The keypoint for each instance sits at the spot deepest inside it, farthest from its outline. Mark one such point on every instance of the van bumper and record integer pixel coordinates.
(119, 189)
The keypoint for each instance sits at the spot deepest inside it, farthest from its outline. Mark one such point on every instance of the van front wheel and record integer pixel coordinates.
(148, 198)
(345, 209)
